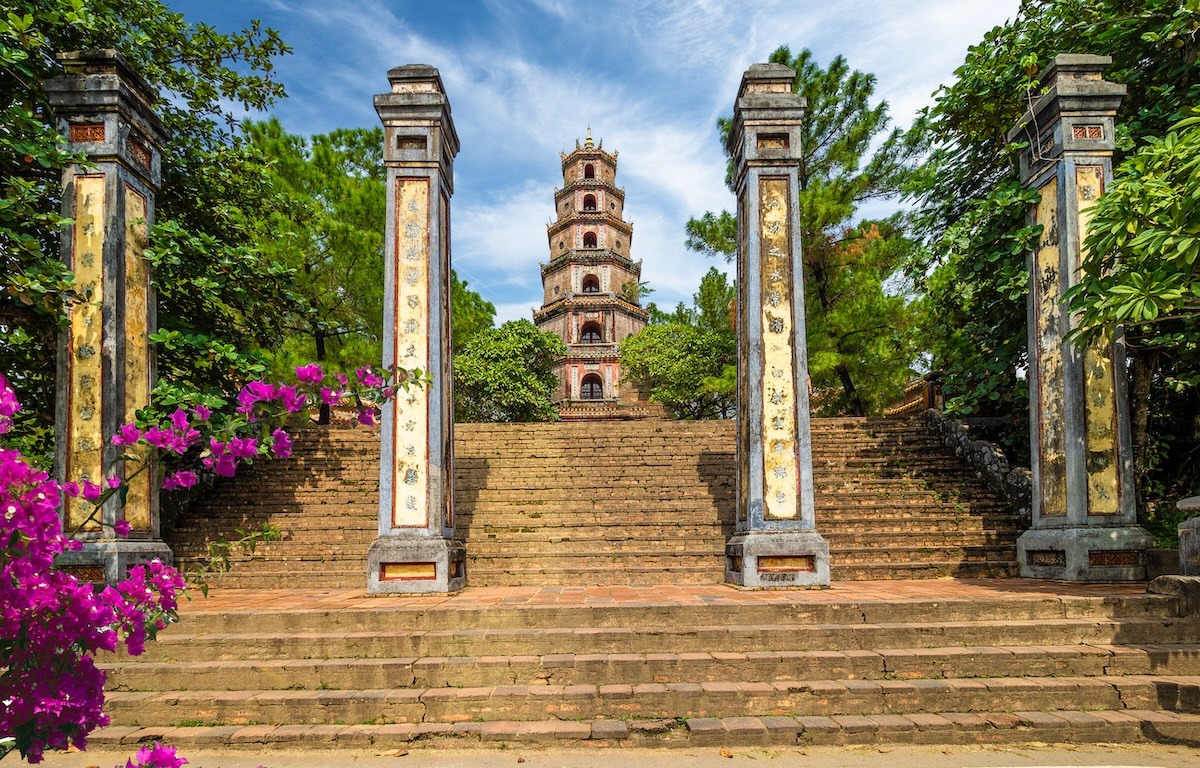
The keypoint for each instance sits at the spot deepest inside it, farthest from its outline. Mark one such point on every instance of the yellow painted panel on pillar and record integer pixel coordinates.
(781, 463)
(1047, 288)
(137, 347)
(85, 434)
(743, 345)
(407, 571)
(1100, 413)
(410, 427)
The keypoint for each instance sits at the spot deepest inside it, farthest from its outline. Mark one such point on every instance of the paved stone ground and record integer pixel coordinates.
(1028, 756)
(279, 600)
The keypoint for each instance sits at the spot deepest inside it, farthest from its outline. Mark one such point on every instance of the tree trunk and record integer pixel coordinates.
(857, 408)
(319, 338)
(1143, 363)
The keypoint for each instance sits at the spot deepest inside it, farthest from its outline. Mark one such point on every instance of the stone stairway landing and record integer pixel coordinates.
(622, 502)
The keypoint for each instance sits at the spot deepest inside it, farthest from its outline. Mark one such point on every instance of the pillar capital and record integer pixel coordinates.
(106, 110)
(1074, 115)
(767, 118)
(417, 123)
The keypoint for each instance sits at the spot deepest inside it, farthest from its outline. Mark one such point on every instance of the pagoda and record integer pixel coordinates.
(591, 288)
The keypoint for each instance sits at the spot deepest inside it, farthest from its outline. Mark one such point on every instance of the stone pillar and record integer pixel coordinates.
(1084, 513)
(105, 362)
(775, 543)
(416, 550)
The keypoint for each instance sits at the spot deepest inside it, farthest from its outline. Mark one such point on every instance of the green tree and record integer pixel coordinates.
(328, 233)
(847, 157)
(687, 360)
(215, 294)
(507, 374)
(973, 208)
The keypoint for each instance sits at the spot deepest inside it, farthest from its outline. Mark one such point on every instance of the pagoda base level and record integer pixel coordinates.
(775, 559)
(404, 565)
(110, 560)
(1084, 553)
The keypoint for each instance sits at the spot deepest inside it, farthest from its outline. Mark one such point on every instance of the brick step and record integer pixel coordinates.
(636, 668)
(734, 698)
(723, 607)
(930, 728)
(924, 570)
(399, 643)
(262, 575)
(586, 540)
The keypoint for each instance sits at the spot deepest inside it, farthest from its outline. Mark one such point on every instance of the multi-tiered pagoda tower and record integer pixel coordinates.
(591, 287)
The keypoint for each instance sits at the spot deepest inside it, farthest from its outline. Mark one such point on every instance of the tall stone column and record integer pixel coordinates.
(776, 543)
(105, 362)
(416, 550)
(1084, 515)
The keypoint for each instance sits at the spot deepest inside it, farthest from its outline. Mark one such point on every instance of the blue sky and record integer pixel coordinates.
(527, 77)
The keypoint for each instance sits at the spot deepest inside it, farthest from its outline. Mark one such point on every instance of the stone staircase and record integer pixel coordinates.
(696, 666)
(621, 502)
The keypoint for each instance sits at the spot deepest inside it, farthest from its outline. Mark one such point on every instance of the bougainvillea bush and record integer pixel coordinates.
(51, 623)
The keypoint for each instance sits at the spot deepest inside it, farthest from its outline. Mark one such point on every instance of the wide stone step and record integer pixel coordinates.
(717, 699)
(932, 728)
(634, 668)
(390, 644)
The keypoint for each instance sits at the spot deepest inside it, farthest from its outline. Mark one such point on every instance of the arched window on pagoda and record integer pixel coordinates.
(590, 334)
(591, 284)
(589, 239)
(591, 388)
(589, 171)
(589, 202)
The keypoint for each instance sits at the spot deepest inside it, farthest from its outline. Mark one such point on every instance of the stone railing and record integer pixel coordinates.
(1014, 484)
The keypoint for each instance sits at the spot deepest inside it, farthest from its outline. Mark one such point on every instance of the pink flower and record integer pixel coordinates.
(128, 435)
(113, 482)
(293, 401)
(330, 396)
(185, 478)
(91, 491)
(342, 378)
(281, 444)
(368, 378)
(71, 488)
(202, 413)
(179, 420)
(121, 528)
(309, 374)
(245, 448)
(156, 756)
(366, 417)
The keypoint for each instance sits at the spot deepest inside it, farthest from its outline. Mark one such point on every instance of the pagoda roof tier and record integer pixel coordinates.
(591, 256)
(566, 191)
(589, 301)
(586, 152)
(590, 217)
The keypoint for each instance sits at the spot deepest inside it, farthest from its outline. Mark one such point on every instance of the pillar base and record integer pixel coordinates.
(399, 565)
(110, 560)
(1084, 554)
(772, 559)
